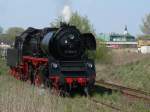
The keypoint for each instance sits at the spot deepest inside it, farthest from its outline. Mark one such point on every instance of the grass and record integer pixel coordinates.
(128, 68)
(17, 96)
(136, 74)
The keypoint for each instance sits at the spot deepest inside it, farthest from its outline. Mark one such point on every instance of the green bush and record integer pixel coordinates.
(101, 55)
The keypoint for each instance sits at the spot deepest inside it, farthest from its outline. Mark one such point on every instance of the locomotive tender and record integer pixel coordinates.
(54, 57)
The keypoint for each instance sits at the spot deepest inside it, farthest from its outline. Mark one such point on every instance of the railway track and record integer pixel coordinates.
(109, 105)
(125, 90)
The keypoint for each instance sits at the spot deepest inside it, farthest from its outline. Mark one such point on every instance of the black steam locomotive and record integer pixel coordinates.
(54, 57)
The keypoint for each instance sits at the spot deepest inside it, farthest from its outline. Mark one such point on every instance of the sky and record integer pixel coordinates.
(105, 15)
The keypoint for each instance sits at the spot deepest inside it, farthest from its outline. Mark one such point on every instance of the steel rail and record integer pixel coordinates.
(125, 90)
(105, 104)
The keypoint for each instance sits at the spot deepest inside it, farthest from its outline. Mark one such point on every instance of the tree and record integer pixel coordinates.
(81, 22)
(146, 25)
(1, 30)
(13, 32)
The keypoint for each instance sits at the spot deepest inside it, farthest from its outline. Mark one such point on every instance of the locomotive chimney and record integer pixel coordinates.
(63, 24)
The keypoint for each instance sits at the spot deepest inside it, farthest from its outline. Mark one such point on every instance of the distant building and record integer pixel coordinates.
(122, 38)
(144, 44)
(8, 42)
(115, 40)
(126, 30)
(115, 37)
(3, 50)
(144, 41)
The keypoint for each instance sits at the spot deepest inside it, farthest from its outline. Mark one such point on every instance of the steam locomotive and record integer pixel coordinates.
(54, 57)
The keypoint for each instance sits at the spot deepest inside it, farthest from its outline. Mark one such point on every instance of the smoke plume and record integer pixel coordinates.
(66, 13)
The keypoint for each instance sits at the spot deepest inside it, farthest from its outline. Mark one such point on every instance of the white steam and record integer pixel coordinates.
(66, 13)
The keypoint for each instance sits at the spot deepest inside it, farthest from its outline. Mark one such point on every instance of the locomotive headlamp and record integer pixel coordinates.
(54, 65)
(89, 65)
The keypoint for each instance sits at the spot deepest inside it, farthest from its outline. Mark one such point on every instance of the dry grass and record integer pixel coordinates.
(126, 56)
(16, 96)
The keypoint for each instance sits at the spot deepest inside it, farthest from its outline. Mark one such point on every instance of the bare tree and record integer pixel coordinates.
(13, 32)
(145, 27)
(1, 30)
